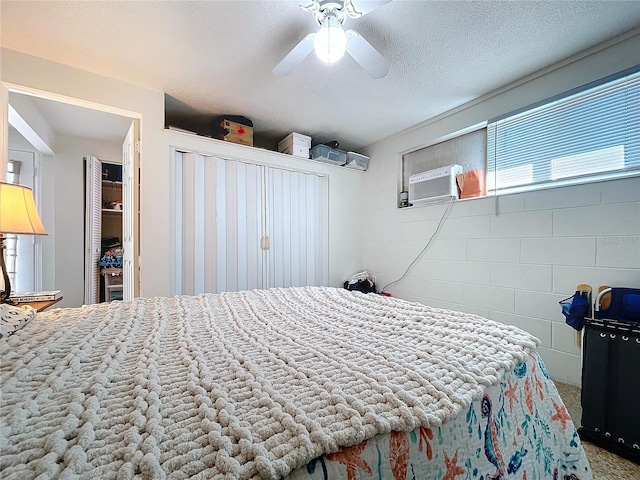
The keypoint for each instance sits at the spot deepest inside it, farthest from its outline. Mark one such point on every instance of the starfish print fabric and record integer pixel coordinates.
(496, 437)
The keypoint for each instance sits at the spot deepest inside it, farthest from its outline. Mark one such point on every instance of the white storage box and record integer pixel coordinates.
(357, 161)
(327, 154)
(295, 144)
(297, 151)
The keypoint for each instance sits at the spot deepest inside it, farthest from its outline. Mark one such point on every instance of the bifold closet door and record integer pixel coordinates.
(241, 226)
(297, 226)
(218, 223)
(93, 229)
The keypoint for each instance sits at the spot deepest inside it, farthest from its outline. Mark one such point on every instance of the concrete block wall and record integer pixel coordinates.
(514, 257)
(513, 264)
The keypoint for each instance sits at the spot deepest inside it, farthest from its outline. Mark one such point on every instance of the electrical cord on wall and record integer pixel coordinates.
(426, 247)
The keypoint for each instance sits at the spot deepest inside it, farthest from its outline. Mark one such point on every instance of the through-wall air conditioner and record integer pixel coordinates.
(437, 184)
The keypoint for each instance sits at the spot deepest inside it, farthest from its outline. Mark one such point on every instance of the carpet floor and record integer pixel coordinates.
(604, 464)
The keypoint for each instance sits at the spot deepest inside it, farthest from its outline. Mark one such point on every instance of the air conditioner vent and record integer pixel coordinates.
(432, 185)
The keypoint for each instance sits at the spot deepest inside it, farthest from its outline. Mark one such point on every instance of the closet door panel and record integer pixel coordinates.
(191, 224)
(252, 272)
(225, 227)
(310, 232)
(218, 224)
(296, 218)
(238, 226)
(278, 227)
(321, 226)
(188, 218)
(93, 229)
(210, 229)
(200, 222)
(295, 204)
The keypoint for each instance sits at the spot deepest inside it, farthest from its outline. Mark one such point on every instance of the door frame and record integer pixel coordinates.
(6, 88)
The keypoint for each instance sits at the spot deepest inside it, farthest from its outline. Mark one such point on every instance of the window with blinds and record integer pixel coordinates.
(586, 136)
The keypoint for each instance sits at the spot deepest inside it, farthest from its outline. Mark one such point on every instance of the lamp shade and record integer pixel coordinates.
(18, 213)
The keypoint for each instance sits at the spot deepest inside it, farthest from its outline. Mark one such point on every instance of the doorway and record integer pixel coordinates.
(61, 131)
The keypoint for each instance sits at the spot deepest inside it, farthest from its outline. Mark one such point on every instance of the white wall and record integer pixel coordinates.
(28, 120)
(512, 259)
(18, 142)
(62, 80)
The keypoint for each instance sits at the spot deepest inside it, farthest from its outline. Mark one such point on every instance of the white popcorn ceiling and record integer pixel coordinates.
(216, 57)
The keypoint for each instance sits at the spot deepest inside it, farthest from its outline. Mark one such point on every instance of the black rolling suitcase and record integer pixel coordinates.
(611, 373)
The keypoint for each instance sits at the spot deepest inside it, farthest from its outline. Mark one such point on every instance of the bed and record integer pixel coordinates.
(298, 383)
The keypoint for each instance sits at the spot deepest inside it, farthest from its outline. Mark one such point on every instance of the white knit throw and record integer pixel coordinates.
(236, 385)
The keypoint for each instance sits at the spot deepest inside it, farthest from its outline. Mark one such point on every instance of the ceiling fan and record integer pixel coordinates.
(331, 41)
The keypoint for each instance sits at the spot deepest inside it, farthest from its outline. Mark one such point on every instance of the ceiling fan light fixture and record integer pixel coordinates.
(331, 41)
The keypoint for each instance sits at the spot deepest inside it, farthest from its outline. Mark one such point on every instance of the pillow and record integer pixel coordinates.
(13, 318)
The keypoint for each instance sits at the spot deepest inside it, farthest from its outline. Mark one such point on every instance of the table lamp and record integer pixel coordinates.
(18, 215)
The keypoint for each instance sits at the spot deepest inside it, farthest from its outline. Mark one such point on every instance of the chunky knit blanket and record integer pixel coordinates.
(235, 385)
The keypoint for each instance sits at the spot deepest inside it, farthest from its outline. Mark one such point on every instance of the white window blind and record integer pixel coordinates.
(590, 135)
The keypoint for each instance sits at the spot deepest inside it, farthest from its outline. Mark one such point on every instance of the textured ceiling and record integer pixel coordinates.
(216, 57)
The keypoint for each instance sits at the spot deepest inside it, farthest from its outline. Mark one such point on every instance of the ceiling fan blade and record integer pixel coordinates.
(366, 56)
(295, 56)
(311, 6)
(358, 8)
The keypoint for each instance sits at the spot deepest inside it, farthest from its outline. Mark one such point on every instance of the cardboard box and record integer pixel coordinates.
(236, 133)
